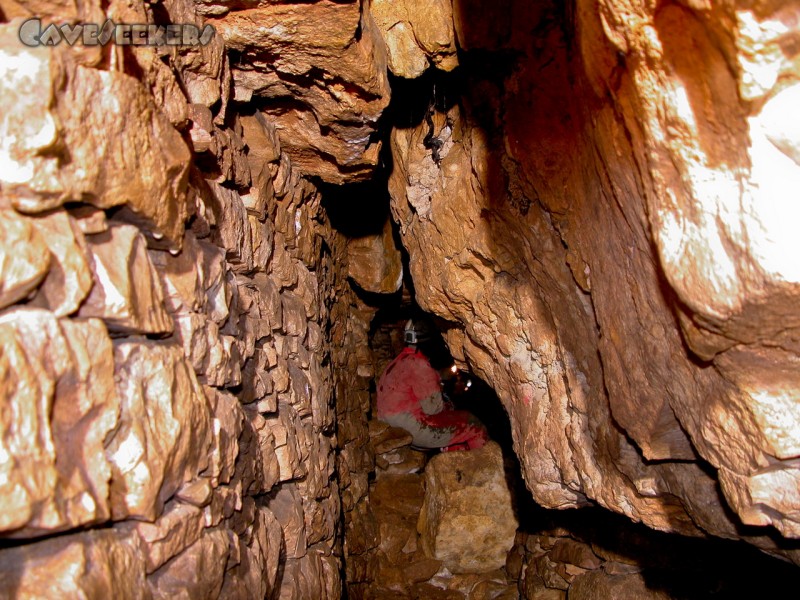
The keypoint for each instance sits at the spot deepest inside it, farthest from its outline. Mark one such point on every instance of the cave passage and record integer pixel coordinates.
(208, 252)
(554, 552)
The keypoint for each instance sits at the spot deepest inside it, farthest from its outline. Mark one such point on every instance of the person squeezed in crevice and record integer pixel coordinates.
(410, 397)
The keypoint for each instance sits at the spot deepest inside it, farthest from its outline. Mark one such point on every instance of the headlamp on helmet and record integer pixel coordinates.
(415, 332)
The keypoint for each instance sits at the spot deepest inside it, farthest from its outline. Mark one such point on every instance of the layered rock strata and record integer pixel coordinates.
(167, 276)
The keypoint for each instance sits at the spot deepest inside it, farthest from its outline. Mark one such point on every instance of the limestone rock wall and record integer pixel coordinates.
(603, 221)
(321, 66)
(167, 278)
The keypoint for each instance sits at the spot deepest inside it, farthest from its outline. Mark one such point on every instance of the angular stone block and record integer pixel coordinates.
(256, 382)
(164, 434)
(287, 506)
(70, 276)
(127, 291)
(574, 553)
(227, 427)
(24, 257)
(467, 519)
(282, 267)
(315, 575)
(183, 275)
(294, 315)
(261, 238)
(232, 230)
(59, 403)
(269, 300)
(374, 261)
(217, 282)
(285, 427)
(256, 574)
(179, 527)
(267, 470)
(196, 573)
(261, 138)
(197, 492)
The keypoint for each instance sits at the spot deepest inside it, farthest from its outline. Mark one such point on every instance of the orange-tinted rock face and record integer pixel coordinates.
(467, 520)
(167, 276)
(609, 241)
(319, 71)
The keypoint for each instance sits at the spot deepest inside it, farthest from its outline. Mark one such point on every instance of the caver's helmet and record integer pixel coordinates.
(416, 332)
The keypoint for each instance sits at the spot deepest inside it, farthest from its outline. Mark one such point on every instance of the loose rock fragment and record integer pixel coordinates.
(467, 491)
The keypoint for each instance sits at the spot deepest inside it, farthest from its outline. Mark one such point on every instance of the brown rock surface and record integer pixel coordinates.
(326, 132)
(597, 585)
(374, 262)
(417, 33)
(127, 292)
(232, 230)
(94, 564)
(467, 520)
(59, 405)
(604, 220)
(574, 553)
(287, 506)
(179, 527)
(285, 429)
(185, 276)
(121, 148)
(256, 574)
(24, 257)
(565, 261)
(163, 435)
(227, 427)
(197, 572)
(315, 575)
(263, 450)
(124, 434)
(70, 277)
(385, 438)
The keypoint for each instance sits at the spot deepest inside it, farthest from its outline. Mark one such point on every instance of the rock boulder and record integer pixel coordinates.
(467, 519)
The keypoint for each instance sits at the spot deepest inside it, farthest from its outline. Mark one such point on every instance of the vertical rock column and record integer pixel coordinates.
(164, 307)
